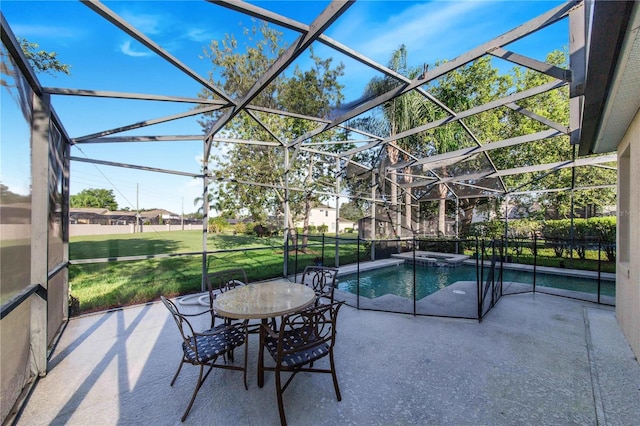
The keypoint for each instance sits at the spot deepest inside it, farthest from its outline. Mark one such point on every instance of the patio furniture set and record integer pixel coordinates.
(297, 327)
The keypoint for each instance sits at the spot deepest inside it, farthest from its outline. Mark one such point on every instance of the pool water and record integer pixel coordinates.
(398, 280)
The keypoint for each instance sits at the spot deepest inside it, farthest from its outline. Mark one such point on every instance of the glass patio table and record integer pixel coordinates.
(262, 301)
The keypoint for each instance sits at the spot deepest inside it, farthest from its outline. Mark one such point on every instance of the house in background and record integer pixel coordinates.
(325, 215)
(160, 217)
(99, 216)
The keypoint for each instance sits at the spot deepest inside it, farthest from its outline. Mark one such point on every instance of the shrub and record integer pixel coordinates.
(240, 228)
(261, 230)
(323, 229)
(605, 229)
(489, 229)
(523, 228)
(274, 230)
(248, 230)
(581, 233)
(217, 224)
(556, 232)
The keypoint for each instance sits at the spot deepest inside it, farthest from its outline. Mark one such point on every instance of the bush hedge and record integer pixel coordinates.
(557, 234)
(595, 228)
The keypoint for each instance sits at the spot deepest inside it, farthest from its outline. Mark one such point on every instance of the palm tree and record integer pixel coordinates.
(401, 113)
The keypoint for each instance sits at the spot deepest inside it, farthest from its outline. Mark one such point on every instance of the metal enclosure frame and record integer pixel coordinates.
(44, 117)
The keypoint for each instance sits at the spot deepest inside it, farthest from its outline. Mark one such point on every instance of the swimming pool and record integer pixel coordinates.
(398, 280)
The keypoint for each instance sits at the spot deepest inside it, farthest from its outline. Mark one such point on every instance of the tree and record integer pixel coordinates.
(401, 113)
(360, 172)
(94, 197)
(10, 197)
(351, 211)
(553, 105)
(308, 92)
(469, 86)
(472, 85)
(41, 60)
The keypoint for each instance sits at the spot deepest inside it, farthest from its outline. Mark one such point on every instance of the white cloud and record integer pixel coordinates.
(420, 27)
(125, 48)
(198, 34)
(146, 23)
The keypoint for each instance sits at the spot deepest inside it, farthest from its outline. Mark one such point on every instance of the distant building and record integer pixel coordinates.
(98, 216)
(325, 215)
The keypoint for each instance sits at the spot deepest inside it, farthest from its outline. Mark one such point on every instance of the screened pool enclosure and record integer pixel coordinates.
(419, 156)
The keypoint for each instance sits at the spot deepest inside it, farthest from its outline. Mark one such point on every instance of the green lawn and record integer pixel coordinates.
(102, 246)
(100, 286)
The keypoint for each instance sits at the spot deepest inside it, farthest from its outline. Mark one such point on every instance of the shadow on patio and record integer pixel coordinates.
(536, 359)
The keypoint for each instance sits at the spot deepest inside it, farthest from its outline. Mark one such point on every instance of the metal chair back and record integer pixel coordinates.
(322, 279)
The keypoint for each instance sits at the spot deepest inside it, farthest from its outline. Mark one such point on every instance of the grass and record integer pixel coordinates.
(100, 286)
(547, 257)
(103, 246)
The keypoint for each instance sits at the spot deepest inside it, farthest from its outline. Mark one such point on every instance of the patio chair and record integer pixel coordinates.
(303, 337)
(221, 281)
(322, 279)
(204, 348)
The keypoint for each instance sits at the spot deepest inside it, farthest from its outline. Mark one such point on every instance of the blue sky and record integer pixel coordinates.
(102, 57)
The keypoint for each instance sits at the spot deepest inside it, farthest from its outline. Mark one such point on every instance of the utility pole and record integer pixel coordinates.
(182, 215)
(137, 209)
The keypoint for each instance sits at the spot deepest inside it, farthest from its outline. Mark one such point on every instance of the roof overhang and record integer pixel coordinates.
(612, 87)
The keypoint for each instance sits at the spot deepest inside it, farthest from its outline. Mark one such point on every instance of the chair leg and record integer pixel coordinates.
(175, 376)
(246, 355)
(195, 392)
(261, 332)
(335, 377)
(283, 419)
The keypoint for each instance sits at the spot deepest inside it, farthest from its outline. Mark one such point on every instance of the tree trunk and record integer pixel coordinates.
(291, 226)
(466, 219)
(442, 210)
(407, 199)
(393, 153)
(305, 223)
(407, 210)
(393, 176)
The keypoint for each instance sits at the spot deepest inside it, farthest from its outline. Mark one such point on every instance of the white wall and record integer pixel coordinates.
(628, 238)
(321, 216)
(344, 225)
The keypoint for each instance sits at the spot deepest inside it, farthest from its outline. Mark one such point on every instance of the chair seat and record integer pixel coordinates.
(299, 357)
(211, 346)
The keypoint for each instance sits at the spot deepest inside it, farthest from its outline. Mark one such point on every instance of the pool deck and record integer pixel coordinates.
(535, 359)
(431, 257)
(367, 266)
(551, 270)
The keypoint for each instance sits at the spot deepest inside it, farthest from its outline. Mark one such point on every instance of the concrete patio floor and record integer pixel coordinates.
(536, 359)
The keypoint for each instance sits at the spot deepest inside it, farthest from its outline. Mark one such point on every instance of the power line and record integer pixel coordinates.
(107, 179)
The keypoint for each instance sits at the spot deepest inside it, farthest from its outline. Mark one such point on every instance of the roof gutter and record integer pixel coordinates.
(607, 31)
